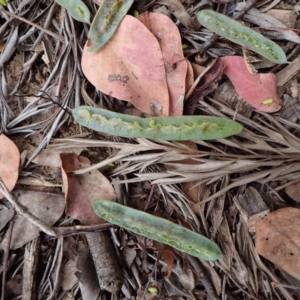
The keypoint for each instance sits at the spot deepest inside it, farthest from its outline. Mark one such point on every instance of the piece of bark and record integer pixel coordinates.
(31, 258)
(109, 274)
(225, 92)
(288, 72)
(252, 207)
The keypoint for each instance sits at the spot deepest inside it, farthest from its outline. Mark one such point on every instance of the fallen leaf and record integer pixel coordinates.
(7, 212)
(130, 67)
(278, 239)
(169, 259)
(259, 90)
(189, 79)
(9, 162)
(67, 277)
(106, 21)
(205, 83)
(87, 276)
(47, 207)
(178, 10)
(169, 39)
(293, 191)
(82, 190)
(50, 157)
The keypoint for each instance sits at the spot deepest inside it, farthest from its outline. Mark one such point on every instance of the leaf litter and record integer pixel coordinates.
(267, 150)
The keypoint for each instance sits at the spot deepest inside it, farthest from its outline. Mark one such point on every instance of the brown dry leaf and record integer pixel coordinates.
(190, 188)
(50, 157)
(82, 190)
(205, 83)
(179, 11)
(47, 207)
(130, 67)
(293, 190)
(259, 90)
(169, 39)
(67, 274)
(9, 162)
(189, 79)
(169, 259)
(278, 239)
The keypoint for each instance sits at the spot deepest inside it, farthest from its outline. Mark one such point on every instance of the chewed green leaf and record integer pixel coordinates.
(163, 128)
(158, 229)
(3, 2)
(106, 22)
(240, 34)
(77, 9)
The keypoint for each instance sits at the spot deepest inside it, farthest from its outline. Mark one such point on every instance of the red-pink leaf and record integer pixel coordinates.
(82, 190)
(9, 162)
(169, 39)
(259, 90)
(130, 67)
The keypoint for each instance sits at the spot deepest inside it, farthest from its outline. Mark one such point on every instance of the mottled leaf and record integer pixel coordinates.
(77, 9)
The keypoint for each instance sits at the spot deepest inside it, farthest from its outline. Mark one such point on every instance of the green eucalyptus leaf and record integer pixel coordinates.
(77, 9)
(3, 2)
(106, 22)
(164, 128)
(241, 34)
(158, 229)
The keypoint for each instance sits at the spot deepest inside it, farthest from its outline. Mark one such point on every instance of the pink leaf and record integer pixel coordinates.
(82, 190)
(260, 90)
(169, 39)
(130, 67)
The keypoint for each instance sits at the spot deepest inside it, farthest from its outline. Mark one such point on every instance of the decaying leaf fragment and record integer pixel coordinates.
(278, 239)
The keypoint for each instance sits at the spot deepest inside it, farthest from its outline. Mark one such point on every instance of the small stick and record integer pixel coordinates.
(22, 210)
(6, 257)
(49, 32)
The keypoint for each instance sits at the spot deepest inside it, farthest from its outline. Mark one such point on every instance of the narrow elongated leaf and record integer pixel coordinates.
(106, 22)
(158, 229)
(165, 128)
(240, 34)
(77, 9)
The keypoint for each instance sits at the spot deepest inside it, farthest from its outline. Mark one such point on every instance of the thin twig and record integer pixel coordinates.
(49, 32)
(20, 209)
(6, 257)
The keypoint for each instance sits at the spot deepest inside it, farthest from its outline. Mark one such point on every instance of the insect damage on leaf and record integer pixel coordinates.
(240, 34)
(164, 128)
(157, 229)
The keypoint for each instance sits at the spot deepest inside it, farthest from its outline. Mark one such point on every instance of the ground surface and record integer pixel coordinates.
(221, 189)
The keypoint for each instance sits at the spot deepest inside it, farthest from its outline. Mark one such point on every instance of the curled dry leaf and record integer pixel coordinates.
(278, 239)
(82, 190)
(130, 67)
(259, 90)
(9, 162)
(168, 37)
